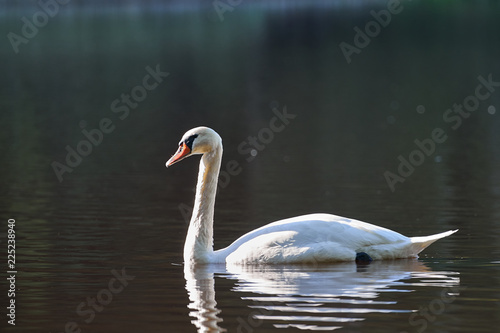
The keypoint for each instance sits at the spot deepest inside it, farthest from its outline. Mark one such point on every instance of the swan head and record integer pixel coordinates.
(199, 140)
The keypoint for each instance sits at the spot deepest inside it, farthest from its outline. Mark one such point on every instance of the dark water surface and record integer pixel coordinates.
(99, 237)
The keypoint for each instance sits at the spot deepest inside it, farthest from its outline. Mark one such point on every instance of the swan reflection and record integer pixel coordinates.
(200, 285)
(325, 297)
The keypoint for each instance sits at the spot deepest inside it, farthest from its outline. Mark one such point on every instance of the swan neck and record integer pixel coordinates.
(199, 241)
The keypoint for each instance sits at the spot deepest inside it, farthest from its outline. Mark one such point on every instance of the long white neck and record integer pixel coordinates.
(199, 241)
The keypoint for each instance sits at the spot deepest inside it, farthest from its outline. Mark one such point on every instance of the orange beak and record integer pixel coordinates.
(182, 152)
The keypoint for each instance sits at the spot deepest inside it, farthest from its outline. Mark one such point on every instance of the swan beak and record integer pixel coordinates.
(182, 152)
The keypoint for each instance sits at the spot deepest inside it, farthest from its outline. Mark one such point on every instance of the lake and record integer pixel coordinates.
(386, 112)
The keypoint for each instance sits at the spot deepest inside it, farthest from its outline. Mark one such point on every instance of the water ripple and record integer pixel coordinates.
(289, 296)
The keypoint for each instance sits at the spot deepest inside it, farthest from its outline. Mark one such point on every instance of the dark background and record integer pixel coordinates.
(121, 207)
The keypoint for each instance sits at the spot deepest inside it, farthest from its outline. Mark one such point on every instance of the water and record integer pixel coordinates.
(99, 247)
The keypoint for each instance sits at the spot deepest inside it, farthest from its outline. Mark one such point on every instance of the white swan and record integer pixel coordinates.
(301, 239)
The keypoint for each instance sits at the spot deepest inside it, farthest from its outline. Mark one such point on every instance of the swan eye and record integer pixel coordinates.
(189, 141)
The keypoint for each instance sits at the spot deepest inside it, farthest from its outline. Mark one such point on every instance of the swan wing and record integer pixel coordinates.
(314, 237)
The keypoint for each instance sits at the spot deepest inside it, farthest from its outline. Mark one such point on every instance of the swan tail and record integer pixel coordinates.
(420, 243)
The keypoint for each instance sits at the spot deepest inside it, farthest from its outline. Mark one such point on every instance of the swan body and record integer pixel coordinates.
(301, 239)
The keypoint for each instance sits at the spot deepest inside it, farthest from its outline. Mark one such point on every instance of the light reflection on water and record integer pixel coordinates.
(321, 298)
